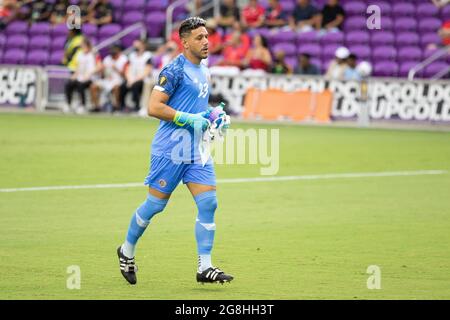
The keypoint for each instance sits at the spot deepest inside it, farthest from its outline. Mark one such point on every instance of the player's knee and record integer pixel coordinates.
(207, 205)
(151, 207)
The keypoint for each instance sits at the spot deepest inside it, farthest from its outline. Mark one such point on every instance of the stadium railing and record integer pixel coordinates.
(422, 65)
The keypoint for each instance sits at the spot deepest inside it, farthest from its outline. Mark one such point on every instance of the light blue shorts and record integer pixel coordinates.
(165, 175)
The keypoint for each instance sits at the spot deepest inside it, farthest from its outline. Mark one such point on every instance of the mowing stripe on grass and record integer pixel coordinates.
(244, 180)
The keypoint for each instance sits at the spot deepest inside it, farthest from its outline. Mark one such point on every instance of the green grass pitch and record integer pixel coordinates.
(303, 239)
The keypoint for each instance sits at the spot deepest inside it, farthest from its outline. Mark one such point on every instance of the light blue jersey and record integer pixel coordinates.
(187, 85)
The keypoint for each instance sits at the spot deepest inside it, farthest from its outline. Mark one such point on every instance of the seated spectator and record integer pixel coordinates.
(279, 65)
(215, 43)
(244, 38)
(113, 70)
(138, 70)
(305, 17)
(170, 53)
(253, 15)
(259, 56)
(8, 12)
(88, 64)
(59, 12)
(275, 17)
(100, 12)
(233, 52)
(193, 7)
(84, 6)
(305, 67)
(229, 13)
(36, 11)
(350, 72)
(444, 33)
(332, 16)
(337, 67)
(72, 48)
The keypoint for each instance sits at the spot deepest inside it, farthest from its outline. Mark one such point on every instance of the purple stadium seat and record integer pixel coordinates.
(307, 37)
(332, 37)
(56, 57)
(39, 42)
(355, 8)
(329, 51)
(384, 53)
(407, 39)
(386, 8)
(292, 62)
(155, 22)
(16, 27)
(17, 41)
(387, 24)
(409, 54)
(406, 66)
(180, 13)
(445, 13)
(127, 41)
(430, 52)
(288, 48)
(430, 38)
(155, 5)
(361, 51)
(132, 17)
(403, 9)
(429, 25)
(39, 28)
(282, 36)
(434, 68)
(357, 37)
(58, 43)
(137, 5)
(385, 69)
(14, 56)
(117, 4)
(59, 30)
(382, 38)
(90, 30)
(355, 23)
(2, 41)
(313, 49)
(37, 57)
(109, 30)
(287, 6)
(426, 10)
(405, 24)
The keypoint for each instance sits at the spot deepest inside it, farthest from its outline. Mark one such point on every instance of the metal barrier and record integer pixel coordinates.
(428, 61)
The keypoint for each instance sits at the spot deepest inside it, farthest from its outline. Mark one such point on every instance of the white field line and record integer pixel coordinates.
(245, 180)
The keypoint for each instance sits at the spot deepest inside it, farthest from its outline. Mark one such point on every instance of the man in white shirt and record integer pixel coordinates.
(139, 68)
(88, 64)
(113, 69)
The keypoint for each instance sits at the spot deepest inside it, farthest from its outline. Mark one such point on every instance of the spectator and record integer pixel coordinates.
(59, 12)
(171, 51)
(440, 3)
(215, 43)
(244, 38)
(113, 70)
(138, 70)
(305, 17)
(279, 65)
(100, 12)
(259, 56)
(36, 11)
(275, 17)
(88, 64)
(332, 16)
(84, 6)
(8, 12)
(233, 52)
(253, 15)
(444, 33)
(350, 72)
(337, 67)
(71, 48)
(193, 7)
(305, 67)
(229, 13)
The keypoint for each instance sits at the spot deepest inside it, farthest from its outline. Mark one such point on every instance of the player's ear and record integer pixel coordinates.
(185, 43)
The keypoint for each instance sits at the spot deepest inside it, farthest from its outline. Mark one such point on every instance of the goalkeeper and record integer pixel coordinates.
(180, 101)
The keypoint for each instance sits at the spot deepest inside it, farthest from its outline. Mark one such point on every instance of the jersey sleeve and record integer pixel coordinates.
(169, 79)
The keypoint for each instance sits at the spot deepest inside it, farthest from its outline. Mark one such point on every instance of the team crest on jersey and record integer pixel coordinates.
(162, 183)
(162, 81)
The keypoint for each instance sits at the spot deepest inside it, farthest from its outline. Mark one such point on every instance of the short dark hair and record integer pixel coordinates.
(352, 56)
(190, 24)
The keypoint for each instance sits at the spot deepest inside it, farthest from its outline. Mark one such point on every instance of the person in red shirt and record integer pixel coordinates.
(244, 38)
(275, 16)
(215, 43)
(253, 14)
(234, 52)
(444, 33)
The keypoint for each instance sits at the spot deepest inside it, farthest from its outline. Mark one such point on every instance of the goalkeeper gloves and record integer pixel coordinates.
(194, 120)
